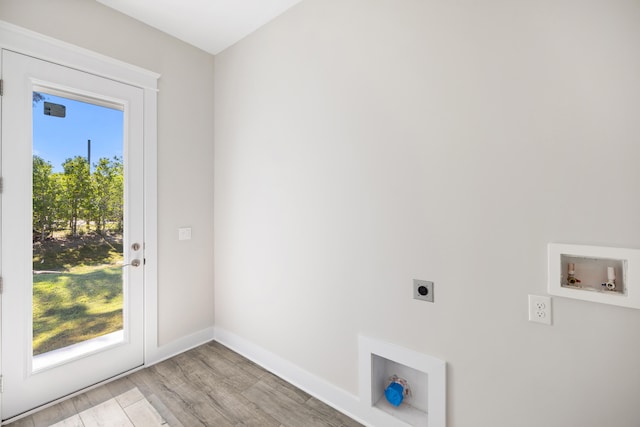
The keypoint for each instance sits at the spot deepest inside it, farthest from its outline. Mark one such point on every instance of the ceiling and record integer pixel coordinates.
(211, 25)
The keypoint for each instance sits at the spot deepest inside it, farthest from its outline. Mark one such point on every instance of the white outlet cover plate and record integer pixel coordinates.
(540, 309)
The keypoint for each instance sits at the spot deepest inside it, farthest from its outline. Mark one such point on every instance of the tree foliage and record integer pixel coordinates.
(76, 197)
(44, 196)
(107, 187)
(37, 97)
(76, 185)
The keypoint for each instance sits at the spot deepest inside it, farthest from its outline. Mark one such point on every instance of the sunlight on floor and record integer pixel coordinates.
(129, 409)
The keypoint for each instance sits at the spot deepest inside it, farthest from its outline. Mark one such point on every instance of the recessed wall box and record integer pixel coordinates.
(425, 375)
(595, 273)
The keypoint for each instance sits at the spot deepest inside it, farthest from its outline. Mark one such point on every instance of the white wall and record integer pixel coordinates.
(362, 143)
(185, 143)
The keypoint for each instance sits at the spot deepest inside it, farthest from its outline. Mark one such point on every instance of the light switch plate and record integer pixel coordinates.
(184, 233)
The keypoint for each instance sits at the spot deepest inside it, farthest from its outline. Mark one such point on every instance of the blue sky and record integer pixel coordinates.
(56, 139)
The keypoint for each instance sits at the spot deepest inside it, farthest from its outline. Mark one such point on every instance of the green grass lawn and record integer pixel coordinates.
(83, 300)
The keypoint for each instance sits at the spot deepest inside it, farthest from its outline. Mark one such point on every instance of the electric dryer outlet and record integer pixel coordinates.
(423, 290)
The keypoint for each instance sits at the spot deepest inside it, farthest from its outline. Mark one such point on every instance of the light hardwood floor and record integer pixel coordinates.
(207, 386)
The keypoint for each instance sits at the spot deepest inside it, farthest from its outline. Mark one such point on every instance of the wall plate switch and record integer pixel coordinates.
(423, 290)
(540, 309)
(184, 233)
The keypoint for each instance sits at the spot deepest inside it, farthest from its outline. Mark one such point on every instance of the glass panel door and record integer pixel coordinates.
(72, 231)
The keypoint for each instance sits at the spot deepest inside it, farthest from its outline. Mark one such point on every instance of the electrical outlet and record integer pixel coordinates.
(423, 290)
(540, 309)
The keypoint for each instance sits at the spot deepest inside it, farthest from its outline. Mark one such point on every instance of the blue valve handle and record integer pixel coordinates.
(394, 393)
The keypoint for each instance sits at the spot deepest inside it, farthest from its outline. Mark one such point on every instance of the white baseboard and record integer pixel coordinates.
(319, 388)
(158, 354)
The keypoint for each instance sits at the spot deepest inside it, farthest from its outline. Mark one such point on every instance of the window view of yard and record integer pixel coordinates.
(77, 290)
(77, 224)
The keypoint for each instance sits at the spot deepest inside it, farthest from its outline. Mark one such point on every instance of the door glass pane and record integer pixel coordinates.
(78, 208)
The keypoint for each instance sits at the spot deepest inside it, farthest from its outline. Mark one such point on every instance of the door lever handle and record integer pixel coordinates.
(133, 263)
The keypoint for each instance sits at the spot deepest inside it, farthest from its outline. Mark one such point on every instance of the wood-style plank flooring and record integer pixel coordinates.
(207, 386)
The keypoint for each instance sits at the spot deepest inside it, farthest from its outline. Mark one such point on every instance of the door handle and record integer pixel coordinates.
(133, 263)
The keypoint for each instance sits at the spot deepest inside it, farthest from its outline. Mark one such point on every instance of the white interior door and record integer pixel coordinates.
(72, 231)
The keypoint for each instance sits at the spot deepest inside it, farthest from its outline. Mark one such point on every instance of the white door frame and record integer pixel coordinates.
(39, 46)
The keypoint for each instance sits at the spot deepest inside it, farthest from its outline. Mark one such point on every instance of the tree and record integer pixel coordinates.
(77, 190)
(37, 97)
(117, 195)
(107, 193)
(58, 219)
(43, 197)
(69, 198)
